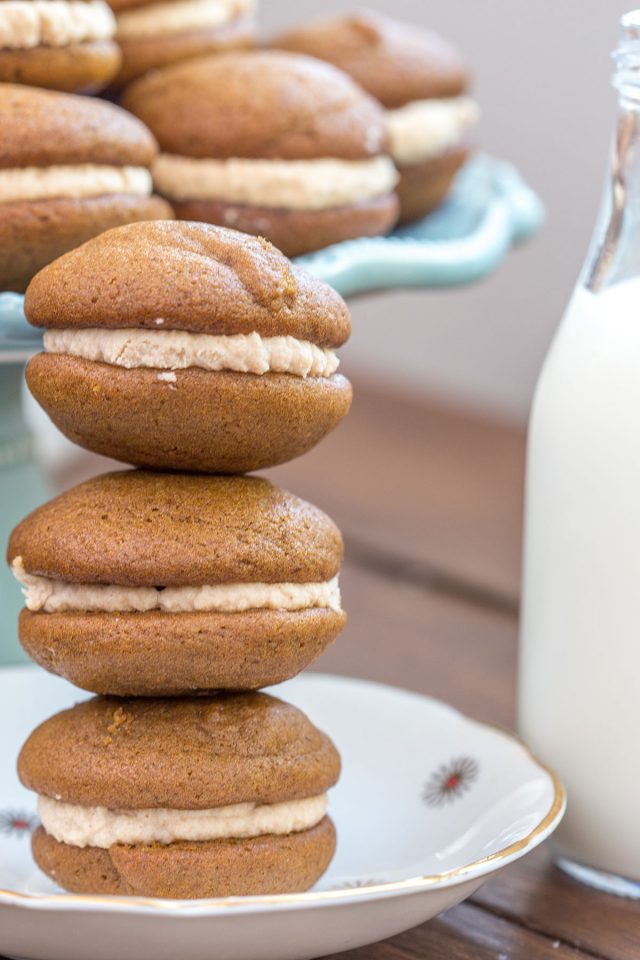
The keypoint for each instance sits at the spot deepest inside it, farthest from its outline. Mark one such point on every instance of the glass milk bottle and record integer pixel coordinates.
(579, 689)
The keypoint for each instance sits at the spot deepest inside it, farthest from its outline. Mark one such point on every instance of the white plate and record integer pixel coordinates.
(430, 804)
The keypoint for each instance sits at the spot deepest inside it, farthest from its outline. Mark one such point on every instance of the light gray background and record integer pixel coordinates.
(541, 72)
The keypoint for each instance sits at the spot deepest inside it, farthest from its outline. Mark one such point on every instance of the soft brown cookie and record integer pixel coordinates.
(35, 232)
(396, 62)
(140, 55)
(187, 346)
(297, 232)
(246, 575)
(419, 77)
(423, 186)
(70, 47)
(299, 157)
(78, 68)
(231, 794)
(186, 871)
(70, 167)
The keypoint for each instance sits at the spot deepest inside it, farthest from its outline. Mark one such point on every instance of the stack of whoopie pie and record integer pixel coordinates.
(176, 590)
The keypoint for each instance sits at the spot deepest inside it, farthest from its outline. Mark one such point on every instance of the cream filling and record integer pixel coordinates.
(73, 182)
(25, 24)
(294, 184)
(56, 596)
(179, 349)
(99, 827)
(179, 16)
(424, 129)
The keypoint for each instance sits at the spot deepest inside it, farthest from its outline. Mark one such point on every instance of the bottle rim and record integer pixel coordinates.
(626, 78)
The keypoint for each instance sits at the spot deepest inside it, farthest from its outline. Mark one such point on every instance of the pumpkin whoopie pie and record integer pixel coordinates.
(158, 584)
(155, 33)
(275, 144)
(421, 80)
(187, 346)
(70, 167)
(60, 44)
(204, 797)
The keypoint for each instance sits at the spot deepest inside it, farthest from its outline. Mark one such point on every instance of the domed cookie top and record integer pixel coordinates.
(395, 62)
(149, 529)
(268, 104)
(187, 754)
(42, 128)
(186, 276)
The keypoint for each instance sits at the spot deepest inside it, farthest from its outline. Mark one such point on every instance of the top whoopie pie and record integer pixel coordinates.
(60, 44)
(155, 33)
(187, 346)
(422, 81)
(70, 167)
(202, 797)
(275, 144)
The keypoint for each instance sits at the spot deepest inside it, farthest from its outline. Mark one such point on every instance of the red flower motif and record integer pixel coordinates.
(450, 781)
(17, 823)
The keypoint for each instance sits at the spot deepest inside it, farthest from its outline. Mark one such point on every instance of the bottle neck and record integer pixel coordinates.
(615, 255)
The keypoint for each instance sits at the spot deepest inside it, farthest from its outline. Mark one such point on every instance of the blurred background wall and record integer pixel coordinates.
(541, 70)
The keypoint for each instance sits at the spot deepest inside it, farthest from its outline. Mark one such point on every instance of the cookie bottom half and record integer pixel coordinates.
(197, 420)
(151, 53)
(186, 870)
(35, 232)
(161, 654)
(423, 186)
(78, 68)
(296, 232)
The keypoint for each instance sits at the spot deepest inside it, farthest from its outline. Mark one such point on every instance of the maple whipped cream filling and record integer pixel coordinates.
(179, 16)
(424, 129)
(99, 827)
(25, 24)
(72, 182)
(179, 349)
(57, 596)
(294, 184)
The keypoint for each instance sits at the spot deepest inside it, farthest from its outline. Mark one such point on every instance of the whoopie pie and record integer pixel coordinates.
(422, 81)
(203, 797)
(186, 346)
(155, 584)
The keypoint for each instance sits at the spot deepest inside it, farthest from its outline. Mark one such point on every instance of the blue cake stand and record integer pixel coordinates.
(489, 210)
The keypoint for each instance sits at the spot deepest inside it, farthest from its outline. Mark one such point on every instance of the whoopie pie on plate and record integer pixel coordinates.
(204, 797)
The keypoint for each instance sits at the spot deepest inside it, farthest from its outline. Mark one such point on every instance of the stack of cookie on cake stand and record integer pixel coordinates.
(175, 592)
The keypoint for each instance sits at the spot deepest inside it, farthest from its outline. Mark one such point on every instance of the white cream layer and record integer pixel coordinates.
(425, 129)
(56, 596)
(293, 184)
(72, 182)
(179, 16)
(179, 349)
(99, 827)
(25, 24)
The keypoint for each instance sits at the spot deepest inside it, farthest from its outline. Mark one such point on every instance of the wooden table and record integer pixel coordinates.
(430, 505)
